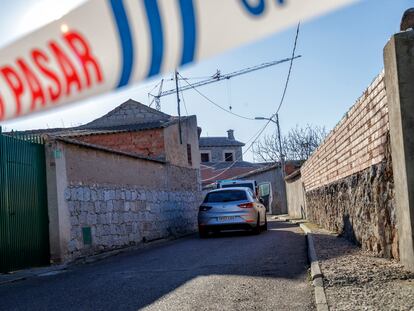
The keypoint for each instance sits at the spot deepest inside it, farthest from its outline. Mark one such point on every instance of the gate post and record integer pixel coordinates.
(399, 81)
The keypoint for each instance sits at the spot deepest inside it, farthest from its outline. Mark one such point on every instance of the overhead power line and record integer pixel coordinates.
(271, 117)
(290, 69)
(214, 103)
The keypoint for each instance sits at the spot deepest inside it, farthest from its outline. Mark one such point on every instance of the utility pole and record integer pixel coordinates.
(178, 106)
(279, 140)
(282, 156)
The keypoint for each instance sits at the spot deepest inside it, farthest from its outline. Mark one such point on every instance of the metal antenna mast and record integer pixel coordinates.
(215, 78)
(156, 98)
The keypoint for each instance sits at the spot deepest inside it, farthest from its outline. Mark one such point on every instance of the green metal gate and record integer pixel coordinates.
(24, 227)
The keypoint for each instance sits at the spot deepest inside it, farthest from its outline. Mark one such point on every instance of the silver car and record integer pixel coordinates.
(234, 208)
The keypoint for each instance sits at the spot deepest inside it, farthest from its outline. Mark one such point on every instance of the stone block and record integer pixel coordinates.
(99, 230)
(118, 194)
(67, 194)
(115, 218)
(79, 194)
(90, 207)
(106, 229)
(74, 221)
(127, 206)
(83, 218)
(73, 246)
(92, 219)
(97, 207)
(118, 206)
(134, 195)
(110, 206)
(128, 195)
(94, 195)
(112, 194)
(72, 207)
(128, 229)
(73, 193)
(114, 229)
(141, 195)
(86, 194)
(102, 220)
(109, 217)
(75, 232)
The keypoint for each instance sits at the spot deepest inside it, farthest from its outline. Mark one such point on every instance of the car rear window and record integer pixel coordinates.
(225, 196)
(246, 185)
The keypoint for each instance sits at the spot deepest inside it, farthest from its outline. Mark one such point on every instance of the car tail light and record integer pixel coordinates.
(204, 208)
(246, 205)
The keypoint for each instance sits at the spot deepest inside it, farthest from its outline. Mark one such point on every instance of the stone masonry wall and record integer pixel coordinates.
(361, 208)
(348, 180)
(122, 216)
(112, 200)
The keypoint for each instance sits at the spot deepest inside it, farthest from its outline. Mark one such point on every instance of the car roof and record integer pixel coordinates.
(235, 181)
(231, 188)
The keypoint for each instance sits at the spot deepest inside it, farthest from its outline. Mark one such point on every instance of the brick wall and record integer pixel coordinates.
(149, 143)
(349, 182)
(356, 143)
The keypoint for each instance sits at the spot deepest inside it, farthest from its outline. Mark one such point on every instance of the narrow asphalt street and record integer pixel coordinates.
(231, 271)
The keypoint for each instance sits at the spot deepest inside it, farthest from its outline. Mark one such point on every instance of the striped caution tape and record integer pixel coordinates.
(108, 44)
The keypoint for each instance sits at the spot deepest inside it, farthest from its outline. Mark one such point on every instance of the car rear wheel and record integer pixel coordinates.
(257, 229)
(264, 228)
(203, 233)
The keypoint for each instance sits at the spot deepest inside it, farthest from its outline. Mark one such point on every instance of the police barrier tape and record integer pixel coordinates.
(107, 44)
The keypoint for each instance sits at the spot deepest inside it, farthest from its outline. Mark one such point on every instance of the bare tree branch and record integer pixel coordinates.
(298, 144)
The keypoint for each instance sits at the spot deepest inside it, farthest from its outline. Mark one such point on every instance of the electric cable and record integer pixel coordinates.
(290, 70)
(238, 160)
(182, 96)
(214, 103)
(270, 119)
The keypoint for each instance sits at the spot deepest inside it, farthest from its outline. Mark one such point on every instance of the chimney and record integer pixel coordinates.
(230, 134)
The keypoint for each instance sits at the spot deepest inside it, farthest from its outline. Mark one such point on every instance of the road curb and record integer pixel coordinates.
(316, 274)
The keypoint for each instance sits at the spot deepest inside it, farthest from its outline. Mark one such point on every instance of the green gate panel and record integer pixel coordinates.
(24, 225)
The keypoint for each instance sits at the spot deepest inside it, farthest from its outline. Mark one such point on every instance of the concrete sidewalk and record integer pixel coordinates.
(29, 273)
(354, 279)
(21, 275)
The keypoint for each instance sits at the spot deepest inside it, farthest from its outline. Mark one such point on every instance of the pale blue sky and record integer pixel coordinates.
(342, 54)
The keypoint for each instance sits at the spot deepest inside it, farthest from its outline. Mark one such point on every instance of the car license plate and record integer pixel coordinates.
(226, 218)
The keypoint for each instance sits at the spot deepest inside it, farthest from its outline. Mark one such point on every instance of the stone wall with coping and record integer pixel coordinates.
(360, 207)
(348, 181)
(112, 199)
(123, 216)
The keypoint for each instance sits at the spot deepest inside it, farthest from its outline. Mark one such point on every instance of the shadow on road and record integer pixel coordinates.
(136, 279)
